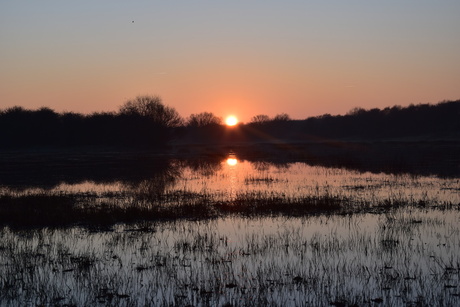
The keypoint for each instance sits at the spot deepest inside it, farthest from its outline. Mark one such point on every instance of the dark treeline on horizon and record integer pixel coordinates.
(424, 120)
(142, 122)
(146, 122)
(440, 121)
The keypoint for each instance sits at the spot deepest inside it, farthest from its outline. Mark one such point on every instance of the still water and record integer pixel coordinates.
(300, 179)
(227, 178)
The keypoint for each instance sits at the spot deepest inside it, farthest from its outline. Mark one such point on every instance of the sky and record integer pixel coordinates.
(304, 58)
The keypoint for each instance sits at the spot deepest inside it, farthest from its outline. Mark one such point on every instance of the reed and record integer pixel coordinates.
(341, 260)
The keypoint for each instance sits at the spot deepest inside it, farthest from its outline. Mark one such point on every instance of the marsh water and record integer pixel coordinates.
(227, 176)
(402, 248)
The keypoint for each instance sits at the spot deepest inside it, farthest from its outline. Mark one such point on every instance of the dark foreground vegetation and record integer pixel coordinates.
(106, 210)
(147, 204)
(146, 122)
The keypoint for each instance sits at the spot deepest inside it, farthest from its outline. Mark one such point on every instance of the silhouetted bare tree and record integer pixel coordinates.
(260, 119)
(152, 107)
(283, 117)
(203, 119)
(356, 111)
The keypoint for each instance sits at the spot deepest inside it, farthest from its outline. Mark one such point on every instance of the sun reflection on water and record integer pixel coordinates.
(232, 187)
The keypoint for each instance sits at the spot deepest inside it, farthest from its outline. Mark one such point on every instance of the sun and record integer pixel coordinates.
(231, 120)
(232, 161)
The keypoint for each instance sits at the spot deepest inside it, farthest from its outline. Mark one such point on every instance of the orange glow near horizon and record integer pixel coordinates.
(231, 120)
(96, 68)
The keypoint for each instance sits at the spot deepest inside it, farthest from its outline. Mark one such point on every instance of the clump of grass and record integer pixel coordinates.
(53, 210)
(263, 204)
(37, 209)
(261, 179)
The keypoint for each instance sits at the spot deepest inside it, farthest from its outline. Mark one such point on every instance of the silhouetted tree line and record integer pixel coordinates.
(442, 119)
(146, 122)
(143, 121)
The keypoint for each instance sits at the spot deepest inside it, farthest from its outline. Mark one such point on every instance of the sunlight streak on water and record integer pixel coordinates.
(232, 170)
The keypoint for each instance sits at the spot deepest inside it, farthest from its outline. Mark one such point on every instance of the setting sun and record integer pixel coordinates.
(232, 161)
(231, 120)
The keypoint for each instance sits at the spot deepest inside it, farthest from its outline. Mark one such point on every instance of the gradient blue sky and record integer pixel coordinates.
(304, 58)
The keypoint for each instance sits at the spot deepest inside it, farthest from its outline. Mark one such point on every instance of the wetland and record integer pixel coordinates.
(277, 226)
